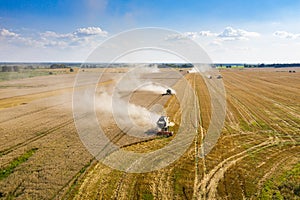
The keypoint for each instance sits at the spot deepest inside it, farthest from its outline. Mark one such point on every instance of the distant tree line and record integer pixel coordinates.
(10, 68)
(175, 65)
(56, 66)
(16, 68)
(272, 65)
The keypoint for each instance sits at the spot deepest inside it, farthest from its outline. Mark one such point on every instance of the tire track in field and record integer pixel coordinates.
(275, 128)
(276, 114)
(124, 174)
(34, 112)
(66, 189)
(120, 134)
(199, 125)
(236, 101)
(241, 108)
(165, 177)
(265, 87)
(115, 139)
(38, 136)
(271, 171)
(9, 102)
(258, 95)
(208, 186)
(259, 114)
(161, 180)
(210, 182)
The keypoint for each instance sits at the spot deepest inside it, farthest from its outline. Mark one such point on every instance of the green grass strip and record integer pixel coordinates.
(6, 171)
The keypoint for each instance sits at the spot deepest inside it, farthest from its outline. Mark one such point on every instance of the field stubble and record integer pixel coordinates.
(258, 146)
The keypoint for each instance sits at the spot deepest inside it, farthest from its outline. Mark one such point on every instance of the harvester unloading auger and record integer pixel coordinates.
(163, 125)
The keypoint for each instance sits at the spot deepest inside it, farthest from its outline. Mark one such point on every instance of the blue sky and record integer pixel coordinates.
(230, 31)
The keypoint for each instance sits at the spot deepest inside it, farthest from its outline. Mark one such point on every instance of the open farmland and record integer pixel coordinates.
(256, 157)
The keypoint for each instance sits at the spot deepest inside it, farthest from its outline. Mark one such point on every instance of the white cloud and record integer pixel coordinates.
(190, 35)
(79, 33)
(286, 35)
(29, 45)
(207, 33)
(47, 46)
(81, 37)
(26, 41)
(236, 34)
(10, 37)
(176, 37)
(229, 33)
(90, 31)
(6, 33)
(51, 34)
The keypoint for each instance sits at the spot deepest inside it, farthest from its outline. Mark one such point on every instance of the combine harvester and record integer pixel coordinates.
(168, 92)
(163, 124)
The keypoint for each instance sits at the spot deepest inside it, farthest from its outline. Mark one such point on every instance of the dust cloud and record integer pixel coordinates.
(116, 101)
(127, 115)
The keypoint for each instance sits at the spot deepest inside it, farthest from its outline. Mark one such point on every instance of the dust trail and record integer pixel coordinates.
(126, 114)
(156, 88)
(135, 80)
(116, 100)
(200, 68)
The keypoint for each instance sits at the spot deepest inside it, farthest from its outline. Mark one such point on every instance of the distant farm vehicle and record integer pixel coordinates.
(168, 92)
(219, 77)
(209, 76)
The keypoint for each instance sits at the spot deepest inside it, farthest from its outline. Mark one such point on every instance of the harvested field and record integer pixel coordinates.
(256, 157)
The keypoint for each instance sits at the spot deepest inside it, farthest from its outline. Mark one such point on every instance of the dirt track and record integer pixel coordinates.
(260, 139)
